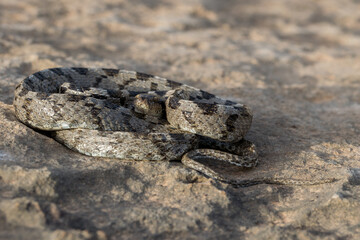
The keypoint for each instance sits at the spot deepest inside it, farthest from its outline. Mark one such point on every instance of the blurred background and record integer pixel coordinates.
(295, 63)
(230, 44)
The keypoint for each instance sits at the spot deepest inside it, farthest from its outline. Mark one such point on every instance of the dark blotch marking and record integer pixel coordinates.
(23, 92)
(27, 110)
(68, 76)
(126, 118)
(206, 95)
(29, 82)
(161, 93)
(230, 122)
(173, 84)
(208, 108)
(81, 71)
(82, 89)
(229, 103)
(134, 93)
(122, 101)
(75, 98)
(57, 71)
(178, 137)
(97, 120)
(62, 89)
(113, 93)
(242, 111)
(138, 115)
(57, 109)
(160, 143)
(39, 75)
(98, 96)
(112, 103)
(224, 135)
(111, 72)
(153, 86)
(97, 81)
(116, 96)
(174, 102)
(130, 81)
(42, 95)
(143, 76)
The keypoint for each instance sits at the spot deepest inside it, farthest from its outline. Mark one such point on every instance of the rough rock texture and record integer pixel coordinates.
(295, 63)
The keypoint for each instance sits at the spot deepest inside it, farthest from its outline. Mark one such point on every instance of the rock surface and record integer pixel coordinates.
(295, 63)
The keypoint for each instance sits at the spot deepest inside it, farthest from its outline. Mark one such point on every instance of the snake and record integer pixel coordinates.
(105, 112)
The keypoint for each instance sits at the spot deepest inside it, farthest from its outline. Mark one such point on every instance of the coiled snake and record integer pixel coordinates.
(131, 115)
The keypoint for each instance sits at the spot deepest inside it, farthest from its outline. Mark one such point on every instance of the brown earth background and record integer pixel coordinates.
(295, 63)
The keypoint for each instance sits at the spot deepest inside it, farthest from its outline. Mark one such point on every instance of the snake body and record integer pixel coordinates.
(131, 115)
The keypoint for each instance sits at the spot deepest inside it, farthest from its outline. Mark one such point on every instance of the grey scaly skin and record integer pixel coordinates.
(131, 115)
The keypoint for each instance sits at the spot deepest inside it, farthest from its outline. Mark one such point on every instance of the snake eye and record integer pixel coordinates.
(149, 104)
